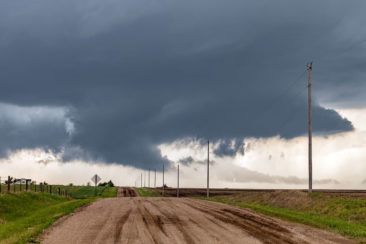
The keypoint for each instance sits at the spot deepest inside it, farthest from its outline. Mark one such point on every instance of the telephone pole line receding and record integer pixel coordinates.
(208, 169)
(178, 182)
(310, 66)
(163, 181)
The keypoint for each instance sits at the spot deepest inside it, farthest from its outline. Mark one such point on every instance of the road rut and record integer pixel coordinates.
(173, 220)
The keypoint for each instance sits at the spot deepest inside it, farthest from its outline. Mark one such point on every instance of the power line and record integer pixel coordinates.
(275, 101)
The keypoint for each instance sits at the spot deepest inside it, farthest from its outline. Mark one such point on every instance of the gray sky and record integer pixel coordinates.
(112, 80)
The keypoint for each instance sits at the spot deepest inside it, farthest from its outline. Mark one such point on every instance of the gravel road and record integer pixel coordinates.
(173, 220)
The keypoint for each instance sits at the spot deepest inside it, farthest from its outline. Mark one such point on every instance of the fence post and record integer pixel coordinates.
(35, 186)
(50, 189)
(14, 185)
(59, 191)
(26, 185)
(8, 184)
(40, 187)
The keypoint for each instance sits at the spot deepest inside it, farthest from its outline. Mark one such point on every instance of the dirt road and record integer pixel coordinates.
(172, 220)
(126, 192)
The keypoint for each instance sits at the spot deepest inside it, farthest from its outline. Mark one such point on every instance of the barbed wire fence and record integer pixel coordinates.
(10, 184)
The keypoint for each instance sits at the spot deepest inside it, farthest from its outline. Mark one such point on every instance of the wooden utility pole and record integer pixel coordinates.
(149, 179)
(208, 169)
(163, 182)
(178, 182)
(155, 179)
(141, 180)
(310, 66)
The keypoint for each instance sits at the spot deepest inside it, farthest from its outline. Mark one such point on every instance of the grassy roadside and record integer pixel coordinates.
(23, 216)
(109, 192)
(145, 192)
(341, 215)
(83, 192)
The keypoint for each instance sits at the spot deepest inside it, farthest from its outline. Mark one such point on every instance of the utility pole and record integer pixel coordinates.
(149, 178)
(208, 169)
(178, 182)
(141, 180)
(310, 67)
(163, 182)
(144, 178)
(155, 180)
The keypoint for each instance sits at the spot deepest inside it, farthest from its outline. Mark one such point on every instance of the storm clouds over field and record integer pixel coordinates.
(111, 81)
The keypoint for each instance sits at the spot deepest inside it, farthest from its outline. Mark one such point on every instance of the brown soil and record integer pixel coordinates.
(126, 192)
(173, 220)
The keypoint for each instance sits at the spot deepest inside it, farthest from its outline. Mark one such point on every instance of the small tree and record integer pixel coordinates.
(110, 183)
(102, 184)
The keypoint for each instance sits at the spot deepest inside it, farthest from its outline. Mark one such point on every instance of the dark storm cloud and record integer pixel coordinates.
(188, 161)
(229, 148)
(32, 127)
(136, 74)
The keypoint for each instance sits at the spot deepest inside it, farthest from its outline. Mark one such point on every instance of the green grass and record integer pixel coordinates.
(83, 192)
(340, 215)
(23, 216)
(145, 192)
(109, 192)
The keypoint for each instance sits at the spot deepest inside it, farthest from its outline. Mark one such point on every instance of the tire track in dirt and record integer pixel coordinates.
(172, 220)
(260, 229)
(126, 192)
(202, 229)
(119, 226)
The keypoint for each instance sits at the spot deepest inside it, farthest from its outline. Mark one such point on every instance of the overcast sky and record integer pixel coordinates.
(117, 82)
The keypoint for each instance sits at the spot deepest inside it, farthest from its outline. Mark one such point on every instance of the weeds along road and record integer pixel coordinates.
(173, 220)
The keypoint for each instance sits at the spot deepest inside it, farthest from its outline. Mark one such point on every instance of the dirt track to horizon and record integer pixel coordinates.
(173, 220)
(126, 192)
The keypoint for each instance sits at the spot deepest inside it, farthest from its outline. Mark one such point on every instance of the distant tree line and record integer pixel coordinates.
(109, 184)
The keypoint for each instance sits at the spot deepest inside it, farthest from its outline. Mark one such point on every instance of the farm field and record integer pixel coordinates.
(197, 192)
